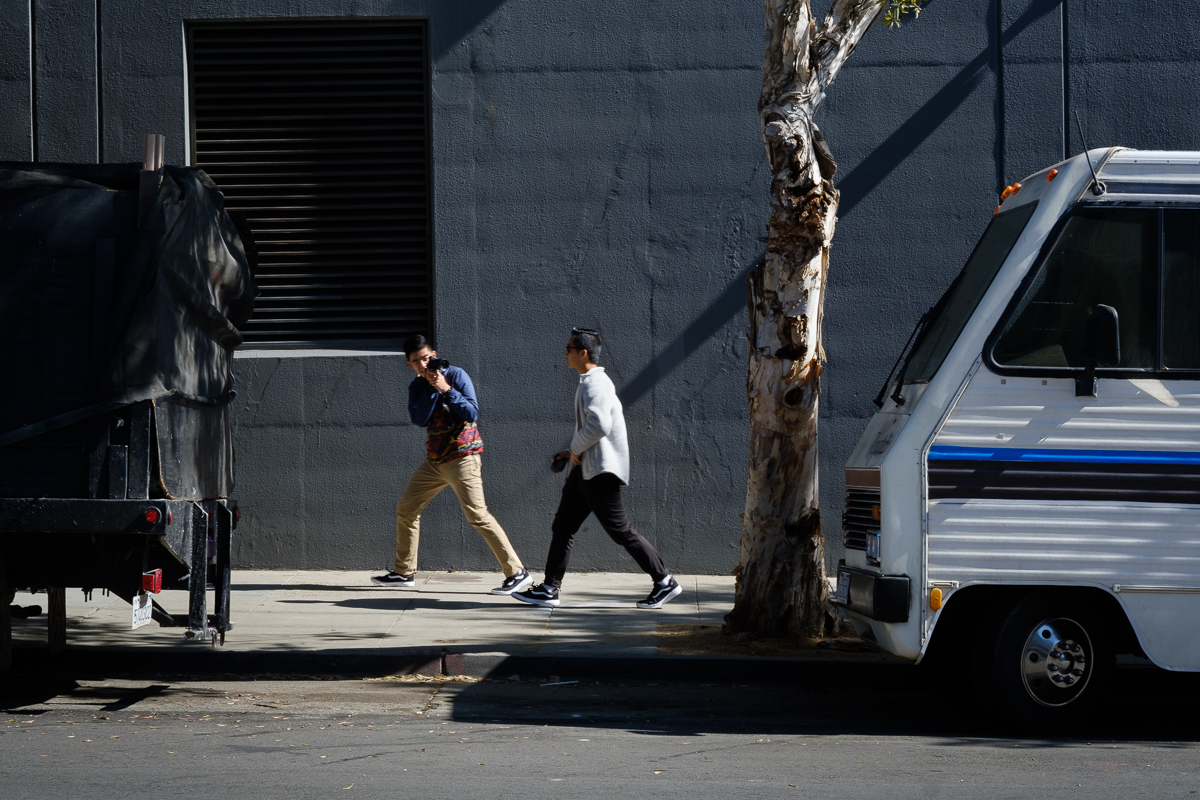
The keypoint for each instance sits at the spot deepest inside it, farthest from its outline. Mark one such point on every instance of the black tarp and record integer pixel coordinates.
(99, 311)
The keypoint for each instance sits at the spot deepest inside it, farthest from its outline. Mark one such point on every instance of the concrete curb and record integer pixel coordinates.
(200, 661)
(657, 669)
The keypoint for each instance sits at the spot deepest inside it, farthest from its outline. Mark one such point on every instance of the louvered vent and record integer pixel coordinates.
(319, 132)
(858, 520)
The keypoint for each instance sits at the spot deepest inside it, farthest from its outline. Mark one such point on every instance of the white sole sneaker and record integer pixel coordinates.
(659, 602)
(538, 602)
(524, 584)
(410, 584)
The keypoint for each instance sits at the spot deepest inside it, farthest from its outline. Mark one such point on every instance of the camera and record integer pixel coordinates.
(437, 365)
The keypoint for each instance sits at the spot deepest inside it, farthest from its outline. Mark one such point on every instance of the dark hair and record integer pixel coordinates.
(414, 343)
(587, 339)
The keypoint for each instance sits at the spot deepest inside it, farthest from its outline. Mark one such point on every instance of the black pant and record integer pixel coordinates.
(600, 496)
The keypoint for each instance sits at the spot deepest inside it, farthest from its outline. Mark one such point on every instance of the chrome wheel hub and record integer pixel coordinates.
(1056, 661)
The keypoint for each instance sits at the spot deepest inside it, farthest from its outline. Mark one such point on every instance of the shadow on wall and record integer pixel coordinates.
(929, 117)
(857, 184)
(454, 20)
(723, 309)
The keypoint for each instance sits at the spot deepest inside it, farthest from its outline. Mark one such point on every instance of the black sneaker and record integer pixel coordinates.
(660, 595)
(540, 595)
(396, 580)
(520, 580)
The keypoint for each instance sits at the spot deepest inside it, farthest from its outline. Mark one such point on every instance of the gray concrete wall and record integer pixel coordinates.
(601, 165)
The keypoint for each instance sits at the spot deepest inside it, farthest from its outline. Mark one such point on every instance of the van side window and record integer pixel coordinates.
(1103, 256)
(1181, 289)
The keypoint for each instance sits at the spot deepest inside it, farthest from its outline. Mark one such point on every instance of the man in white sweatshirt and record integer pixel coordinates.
(599, 467)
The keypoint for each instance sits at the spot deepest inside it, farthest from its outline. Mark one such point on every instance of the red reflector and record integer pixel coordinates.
(151, 515)
(152, 581)
(168, 516)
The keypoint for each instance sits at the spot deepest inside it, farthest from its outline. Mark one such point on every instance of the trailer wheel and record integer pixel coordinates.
(1049, 660)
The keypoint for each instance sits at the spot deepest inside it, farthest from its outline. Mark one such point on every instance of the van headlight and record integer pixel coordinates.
(875, 548)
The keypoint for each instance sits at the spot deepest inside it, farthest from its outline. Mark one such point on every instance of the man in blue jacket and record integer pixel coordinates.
(443, 402)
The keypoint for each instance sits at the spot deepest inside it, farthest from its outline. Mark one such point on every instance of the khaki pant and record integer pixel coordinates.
(464, 476)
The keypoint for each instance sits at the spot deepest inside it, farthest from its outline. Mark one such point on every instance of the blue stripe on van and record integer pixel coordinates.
(949, 453)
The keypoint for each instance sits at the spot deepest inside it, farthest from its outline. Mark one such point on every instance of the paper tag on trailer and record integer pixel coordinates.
(143, 609)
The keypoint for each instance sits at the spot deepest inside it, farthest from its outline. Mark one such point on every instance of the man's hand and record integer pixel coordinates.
(438, 381)
(564, 454)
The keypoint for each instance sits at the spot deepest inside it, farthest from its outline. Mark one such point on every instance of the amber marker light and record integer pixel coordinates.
(935, 599)
(875, 512)
(1052, 174)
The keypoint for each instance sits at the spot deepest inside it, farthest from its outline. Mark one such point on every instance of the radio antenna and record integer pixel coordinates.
(1098, 188)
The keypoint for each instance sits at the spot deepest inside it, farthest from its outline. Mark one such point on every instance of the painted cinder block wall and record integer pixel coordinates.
(600, 164)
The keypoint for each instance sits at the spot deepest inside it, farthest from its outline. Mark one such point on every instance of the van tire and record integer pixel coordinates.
(1049, 660)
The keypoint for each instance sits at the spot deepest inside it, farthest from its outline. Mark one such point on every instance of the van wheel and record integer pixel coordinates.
(1049, 660)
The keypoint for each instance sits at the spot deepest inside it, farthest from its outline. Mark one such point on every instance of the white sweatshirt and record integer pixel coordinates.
(600, 427)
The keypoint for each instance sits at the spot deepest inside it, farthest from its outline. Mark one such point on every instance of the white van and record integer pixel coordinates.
(1029, 491)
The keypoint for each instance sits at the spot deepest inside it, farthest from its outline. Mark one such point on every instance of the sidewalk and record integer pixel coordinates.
(319, 622)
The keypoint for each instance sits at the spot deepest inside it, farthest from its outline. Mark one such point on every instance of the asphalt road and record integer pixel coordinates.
(829, 730)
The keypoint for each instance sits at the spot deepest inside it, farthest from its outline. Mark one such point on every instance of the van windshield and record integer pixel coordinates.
(952, 312)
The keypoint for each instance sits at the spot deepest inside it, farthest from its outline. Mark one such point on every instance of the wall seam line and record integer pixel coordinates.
(99, 85)
(1066, 80)
(1000, 121)
(33, 87)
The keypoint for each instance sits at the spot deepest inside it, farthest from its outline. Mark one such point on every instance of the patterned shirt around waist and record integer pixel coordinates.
(447, 437)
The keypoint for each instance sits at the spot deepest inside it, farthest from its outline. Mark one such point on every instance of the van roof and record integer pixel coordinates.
(1141, 174)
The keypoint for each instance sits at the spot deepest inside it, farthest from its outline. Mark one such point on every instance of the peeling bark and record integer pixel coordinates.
(781, 588)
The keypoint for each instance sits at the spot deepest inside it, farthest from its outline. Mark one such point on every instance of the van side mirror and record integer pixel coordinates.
(1103, 343)
(1102, 347)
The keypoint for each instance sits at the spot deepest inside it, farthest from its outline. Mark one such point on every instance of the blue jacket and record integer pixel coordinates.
(423, 398)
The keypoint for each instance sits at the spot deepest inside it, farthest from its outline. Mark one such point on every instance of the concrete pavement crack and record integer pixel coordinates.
(395, 622)
(437, 688)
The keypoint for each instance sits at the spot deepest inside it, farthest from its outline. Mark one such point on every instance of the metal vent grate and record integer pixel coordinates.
(858, 520)
(319, 132)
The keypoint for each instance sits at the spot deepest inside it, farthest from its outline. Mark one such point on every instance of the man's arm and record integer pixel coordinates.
(461, 396)
(421, 401)
(598, 404)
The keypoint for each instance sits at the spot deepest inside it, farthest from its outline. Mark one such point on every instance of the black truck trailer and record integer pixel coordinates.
(122, 288)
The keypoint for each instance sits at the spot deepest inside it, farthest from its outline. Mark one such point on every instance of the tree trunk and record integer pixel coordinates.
(781, 588)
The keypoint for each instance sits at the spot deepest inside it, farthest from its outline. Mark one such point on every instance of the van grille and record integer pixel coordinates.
(858, 519)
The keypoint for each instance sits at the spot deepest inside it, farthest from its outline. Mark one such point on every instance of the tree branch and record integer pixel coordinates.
(790, 29)
(843, 28)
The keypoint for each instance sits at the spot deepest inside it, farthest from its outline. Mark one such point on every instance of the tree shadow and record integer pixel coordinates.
(823, 699)
(724, 308)
(902, 142)
(854, 188)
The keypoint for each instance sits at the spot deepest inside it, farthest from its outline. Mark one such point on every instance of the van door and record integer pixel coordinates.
(1030, 482)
